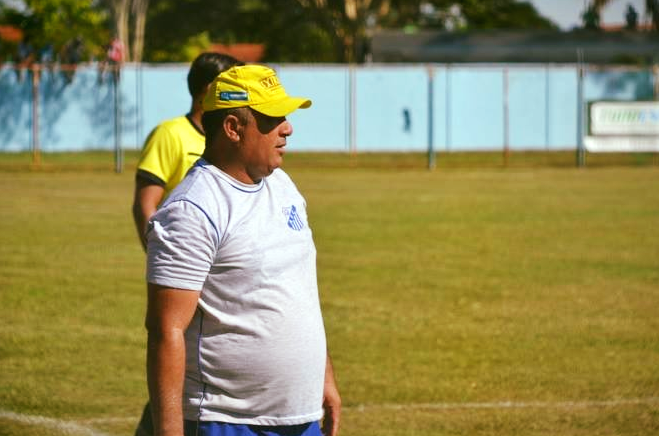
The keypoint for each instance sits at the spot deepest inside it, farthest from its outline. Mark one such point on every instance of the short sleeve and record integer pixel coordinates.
(181, 246)
(161, 154)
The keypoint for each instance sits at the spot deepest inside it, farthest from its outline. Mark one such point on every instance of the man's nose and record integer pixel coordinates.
(286, 128)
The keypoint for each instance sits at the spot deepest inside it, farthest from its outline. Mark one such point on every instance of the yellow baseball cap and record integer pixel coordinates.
(256, 86)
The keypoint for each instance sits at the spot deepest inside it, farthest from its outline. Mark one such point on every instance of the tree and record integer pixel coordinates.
(348, 21)
(294, 30)
(59, 22)
(289, 34)
(651, 10)
(119, 9)
(172, 39)
(504, 14)
(631, 18)
(129, 18)
(140, 8)
(345, 21)
(591, 18)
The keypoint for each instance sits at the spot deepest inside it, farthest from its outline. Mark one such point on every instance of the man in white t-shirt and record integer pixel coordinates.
(236, 342)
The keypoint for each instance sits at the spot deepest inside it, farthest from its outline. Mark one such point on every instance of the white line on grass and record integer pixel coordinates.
(74, 428)
(62, 427)
(508, 405)
(110, 420)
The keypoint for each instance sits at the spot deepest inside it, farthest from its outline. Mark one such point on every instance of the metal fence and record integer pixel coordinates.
(378, 107)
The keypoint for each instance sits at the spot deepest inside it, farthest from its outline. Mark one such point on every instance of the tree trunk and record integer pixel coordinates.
(140, 8)
(120, 12)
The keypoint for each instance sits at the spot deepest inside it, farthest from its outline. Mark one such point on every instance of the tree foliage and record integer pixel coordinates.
(504, 14)
(591, 18)
(291, 30)
(319, 30)
(59, 22)
(652, 9)
(288, 34)
(128, 19)
(595, 7)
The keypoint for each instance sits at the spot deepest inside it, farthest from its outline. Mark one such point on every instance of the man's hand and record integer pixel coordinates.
(146, 199)
(331, 402)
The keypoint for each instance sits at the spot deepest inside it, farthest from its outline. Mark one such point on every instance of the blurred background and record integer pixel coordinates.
(289, 30)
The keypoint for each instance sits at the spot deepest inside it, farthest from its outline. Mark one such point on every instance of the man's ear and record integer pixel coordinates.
(232, 128)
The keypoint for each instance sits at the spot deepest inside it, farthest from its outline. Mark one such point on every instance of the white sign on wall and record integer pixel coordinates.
(623, 126)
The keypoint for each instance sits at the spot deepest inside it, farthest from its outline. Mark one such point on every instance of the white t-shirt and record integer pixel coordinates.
(255, 349)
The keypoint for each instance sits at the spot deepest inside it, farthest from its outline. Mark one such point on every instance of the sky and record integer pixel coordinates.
(567, 13)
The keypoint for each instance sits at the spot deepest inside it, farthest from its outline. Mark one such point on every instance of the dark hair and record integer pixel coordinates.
(205, 68)
(211, 121)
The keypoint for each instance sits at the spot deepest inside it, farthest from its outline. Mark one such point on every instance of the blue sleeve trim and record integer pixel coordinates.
(217, 232)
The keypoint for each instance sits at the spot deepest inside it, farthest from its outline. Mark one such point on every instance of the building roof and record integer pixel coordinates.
(10, 33)
(513, 46)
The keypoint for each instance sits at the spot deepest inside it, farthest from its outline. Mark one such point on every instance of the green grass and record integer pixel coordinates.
(445, 295)
(105, 160)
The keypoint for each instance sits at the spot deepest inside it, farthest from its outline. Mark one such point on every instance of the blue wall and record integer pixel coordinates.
(364, 108)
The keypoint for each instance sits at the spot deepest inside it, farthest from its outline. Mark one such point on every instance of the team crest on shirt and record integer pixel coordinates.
(293, 218)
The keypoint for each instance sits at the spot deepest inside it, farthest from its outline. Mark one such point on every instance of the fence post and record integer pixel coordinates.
(547, 108)
(431, 147)
(580, 109)
(352, 110)
(447, 108)
(118, 153)
(36, 149)
(138, 99)
(506, 120)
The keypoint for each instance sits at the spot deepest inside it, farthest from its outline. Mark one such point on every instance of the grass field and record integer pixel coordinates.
(474, 300)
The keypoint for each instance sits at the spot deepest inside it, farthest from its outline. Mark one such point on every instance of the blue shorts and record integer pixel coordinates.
(204, 428)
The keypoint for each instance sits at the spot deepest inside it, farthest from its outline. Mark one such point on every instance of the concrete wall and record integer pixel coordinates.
(366, 108)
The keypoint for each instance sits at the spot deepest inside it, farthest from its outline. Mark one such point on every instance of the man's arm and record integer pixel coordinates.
(331, 402)
(169, 312)
(148, 196)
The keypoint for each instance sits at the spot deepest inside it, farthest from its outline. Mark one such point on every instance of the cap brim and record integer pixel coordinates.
(281, 108)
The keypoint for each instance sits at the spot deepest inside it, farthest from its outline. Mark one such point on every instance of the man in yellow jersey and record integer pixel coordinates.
(169, 151)
(174, 145)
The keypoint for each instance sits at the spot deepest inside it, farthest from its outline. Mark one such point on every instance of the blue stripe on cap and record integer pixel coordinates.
(233, 96)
